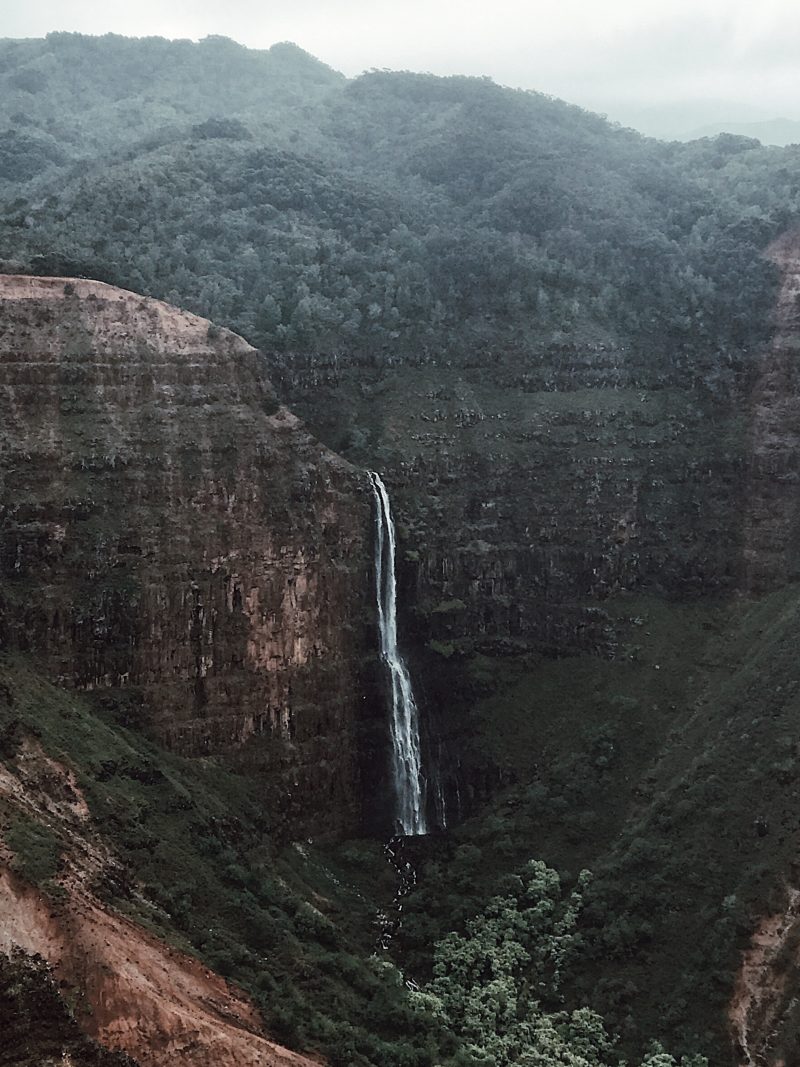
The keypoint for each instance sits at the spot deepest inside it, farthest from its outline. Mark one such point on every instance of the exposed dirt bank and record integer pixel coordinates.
(131, 991)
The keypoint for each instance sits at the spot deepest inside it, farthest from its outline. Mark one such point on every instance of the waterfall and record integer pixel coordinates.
(441, 806)
(409, 782)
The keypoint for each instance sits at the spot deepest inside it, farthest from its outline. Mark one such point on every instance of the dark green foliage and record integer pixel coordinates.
(37, 1026)
(36, 849)
(291, 925)
(654, 771)
(221, 129)
(94, 93)
(399, 214)
(24, 155)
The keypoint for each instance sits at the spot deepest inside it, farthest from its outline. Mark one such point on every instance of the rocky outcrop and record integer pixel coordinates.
(764, 1012)
(169, 530)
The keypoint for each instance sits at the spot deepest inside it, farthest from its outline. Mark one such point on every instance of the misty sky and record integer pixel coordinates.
(617, 56)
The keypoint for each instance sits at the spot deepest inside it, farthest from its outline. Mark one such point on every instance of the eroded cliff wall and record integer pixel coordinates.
(169, 530)
(530, 487)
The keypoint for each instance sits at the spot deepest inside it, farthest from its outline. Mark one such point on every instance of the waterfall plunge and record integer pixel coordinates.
(406, 761)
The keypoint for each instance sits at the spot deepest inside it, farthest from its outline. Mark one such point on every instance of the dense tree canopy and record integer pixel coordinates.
(399, 213)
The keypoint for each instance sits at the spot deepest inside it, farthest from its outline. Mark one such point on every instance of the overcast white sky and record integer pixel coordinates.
(611, 55)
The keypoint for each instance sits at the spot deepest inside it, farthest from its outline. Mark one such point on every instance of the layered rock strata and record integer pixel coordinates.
(169, 530)
(531, 487)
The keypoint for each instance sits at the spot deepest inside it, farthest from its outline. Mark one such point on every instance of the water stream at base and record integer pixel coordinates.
(389, 921)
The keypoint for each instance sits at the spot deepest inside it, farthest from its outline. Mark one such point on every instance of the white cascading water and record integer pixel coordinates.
(406, 760)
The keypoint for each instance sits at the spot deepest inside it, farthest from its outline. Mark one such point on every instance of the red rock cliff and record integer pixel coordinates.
(167, 528)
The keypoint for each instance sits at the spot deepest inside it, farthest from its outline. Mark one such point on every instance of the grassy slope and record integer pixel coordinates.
(292, 924)
(651, 770)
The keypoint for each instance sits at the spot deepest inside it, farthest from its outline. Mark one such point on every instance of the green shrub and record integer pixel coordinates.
(37, 850)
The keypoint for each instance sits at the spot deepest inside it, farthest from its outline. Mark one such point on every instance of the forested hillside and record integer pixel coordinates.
(396, 213)
(557, 340)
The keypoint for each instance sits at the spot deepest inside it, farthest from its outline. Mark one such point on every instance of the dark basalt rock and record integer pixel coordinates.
(169, 532)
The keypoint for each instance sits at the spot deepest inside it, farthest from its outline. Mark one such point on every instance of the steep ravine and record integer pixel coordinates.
(169, 531)
(534, 500)
(175, 541)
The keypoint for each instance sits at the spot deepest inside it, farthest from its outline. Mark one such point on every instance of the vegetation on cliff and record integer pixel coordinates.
(199, 863)
(196, 862)
(38, 1026)
(545, 327)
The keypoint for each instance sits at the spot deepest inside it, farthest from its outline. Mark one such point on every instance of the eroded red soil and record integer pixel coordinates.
(132, 992)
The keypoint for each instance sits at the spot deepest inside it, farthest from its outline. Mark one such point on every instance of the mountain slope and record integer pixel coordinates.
(137, 873)
(117, 90)
(133, 993)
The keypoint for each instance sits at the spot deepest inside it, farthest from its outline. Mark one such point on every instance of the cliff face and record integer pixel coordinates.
(168, 528)
(531, 486)
(530, 490)
(772, 527)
